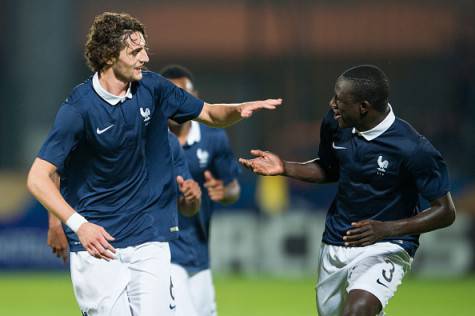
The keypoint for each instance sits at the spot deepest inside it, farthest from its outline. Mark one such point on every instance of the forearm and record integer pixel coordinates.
(306, 171)
(220, 115)
(441, 214)
(44, 188)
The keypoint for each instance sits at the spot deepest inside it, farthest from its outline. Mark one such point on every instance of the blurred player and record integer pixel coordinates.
(382, 165)
(215, 167)
(118, 198)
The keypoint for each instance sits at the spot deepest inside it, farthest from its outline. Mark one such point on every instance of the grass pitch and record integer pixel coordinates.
(51, 294)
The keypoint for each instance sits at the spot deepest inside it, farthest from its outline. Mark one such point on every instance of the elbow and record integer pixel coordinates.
(31, 182)
(450, 215)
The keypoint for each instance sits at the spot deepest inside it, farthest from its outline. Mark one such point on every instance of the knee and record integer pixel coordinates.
(361, 308)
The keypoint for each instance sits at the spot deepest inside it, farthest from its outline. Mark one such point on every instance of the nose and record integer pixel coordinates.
(144, 56)
(332, 103)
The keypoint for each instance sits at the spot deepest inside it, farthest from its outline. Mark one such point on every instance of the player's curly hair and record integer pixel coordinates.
(107, 37)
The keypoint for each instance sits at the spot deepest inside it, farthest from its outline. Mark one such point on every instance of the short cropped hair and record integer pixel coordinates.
(177, 71)
(107, 37)
(369, 83)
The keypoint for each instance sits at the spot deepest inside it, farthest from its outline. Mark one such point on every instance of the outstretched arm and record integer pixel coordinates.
(440, 214)
(269, 164)
(223, 115)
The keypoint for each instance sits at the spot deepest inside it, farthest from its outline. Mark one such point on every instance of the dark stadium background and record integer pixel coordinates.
(241, 50)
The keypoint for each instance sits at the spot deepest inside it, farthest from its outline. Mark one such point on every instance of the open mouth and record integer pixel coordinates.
(336, 115)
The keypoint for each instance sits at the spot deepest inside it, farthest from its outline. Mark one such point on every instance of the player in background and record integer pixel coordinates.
(110, 144)
(382, 166)
(189, 199)
(215, 167)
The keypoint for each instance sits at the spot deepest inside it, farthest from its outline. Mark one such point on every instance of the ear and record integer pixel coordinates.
(364, 107)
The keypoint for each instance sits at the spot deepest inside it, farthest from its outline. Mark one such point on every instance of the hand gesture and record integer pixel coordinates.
(248, 108)
(57, 241)
(265, 163)
(216, 190)
(189, 188)
(366, 232)
(95, 239)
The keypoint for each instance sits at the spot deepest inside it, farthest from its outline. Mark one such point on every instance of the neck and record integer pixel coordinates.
(112, 84)
(371, 120)
(181, 131)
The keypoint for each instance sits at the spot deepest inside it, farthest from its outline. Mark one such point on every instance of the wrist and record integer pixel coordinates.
(75, 221)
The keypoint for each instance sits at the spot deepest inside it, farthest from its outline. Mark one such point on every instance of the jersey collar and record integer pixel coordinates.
(194, 135)
(108, 97)
(379, 129)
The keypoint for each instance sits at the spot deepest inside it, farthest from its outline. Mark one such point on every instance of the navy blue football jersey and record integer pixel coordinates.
(381, 174)
(114, 157)
(205, 149)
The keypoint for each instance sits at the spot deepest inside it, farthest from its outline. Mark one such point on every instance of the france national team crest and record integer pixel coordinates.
(203, 157)
(382, 166)
(146, 115)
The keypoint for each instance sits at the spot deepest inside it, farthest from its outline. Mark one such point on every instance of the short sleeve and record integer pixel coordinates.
(176, 103)
(327, 159)
(179, 161)
(429, 170)
(64, 136)
(225, 166)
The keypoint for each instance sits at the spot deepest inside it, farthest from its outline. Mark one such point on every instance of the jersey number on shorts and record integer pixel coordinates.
(390, 272)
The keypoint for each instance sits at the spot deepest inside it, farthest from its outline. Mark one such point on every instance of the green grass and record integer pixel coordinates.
(51, 294)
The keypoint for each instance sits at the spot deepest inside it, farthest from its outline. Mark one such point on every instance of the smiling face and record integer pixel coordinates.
(132, 58)
(346, 110)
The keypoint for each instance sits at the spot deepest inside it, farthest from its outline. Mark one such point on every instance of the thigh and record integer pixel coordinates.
(202, 292)
(361, 302)
(380, 274)
(332, 282)
(181, 292)
(99, 285)
(150, 287)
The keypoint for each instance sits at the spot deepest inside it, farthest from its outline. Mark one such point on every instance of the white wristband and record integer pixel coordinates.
(74, 221)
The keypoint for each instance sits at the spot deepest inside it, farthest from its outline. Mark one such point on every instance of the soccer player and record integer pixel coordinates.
(109, 144)
(382, 166)
(215, 167)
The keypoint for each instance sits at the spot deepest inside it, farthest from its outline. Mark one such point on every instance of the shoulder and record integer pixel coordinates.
(80, 97)
(150, 78)
(412, 142)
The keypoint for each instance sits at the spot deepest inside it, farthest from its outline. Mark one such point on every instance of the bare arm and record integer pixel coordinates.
(223, 115)
(269, 164)
(440, 214)
(43, 184)
(56, 237)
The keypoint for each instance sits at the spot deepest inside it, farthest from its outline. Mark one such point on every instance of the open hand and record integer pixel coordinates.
(95, 239)
(265, 163)
(248, 108)
(366, 232)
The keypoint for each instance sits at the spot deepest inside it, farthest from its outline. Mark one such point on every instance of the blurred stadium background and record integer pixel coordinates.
(265, 247)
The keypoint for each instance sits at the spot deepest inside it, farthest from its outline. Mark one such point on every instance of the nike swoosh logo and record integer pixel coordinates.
(100, 131)
(172, 307)
(338, 147)
(379, 282)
